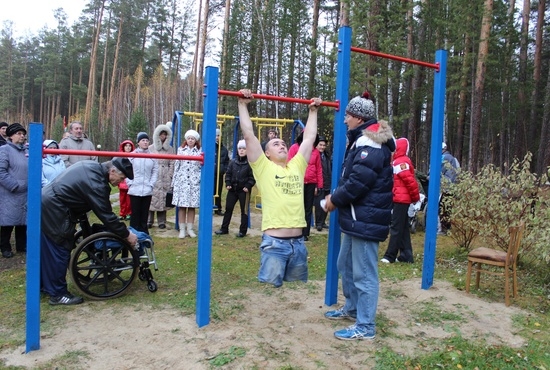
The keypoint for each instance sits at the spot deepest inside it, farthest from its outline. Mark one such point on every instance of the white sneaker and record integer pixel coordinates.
(384, 260)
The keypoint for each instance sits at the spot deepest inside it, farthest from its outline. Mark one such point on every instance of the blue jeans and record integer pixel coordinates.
(282, 259)
(358, 265)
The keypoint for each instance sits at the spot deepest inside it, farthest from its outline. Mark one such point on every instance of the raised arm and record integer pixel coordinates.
(253, 147)
(310, 132)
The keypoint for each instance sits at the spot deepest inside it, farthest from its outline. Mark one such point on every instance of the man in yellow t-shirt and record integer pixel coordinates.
(283, 252)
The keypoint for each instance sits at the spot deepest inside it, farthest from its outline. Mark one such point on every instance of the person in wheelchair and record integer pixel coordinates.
(83, 187)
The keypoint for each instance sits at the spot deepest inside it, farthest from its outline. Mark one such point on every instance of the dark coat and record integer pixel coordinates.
(239, 175)
(81, 188)
(326, 165)
(224, 159)
(14, 169)
(364, 192)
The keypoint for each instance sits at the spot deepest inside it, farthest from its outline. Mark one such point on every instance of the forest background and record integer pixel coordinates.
(127, 65)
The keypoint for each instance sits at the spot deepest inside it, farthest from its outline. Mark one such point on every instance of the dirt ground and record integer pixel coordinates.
(275, 327)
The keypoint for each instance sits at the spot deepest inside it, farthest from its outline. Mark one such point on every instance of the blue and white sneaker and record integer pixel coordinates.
(354, 333)
(339, 314)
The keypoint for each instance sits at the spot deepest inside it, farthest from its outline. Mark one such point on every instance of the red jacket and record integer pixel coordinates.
(123, 184)
(314, 170)
(405, 187)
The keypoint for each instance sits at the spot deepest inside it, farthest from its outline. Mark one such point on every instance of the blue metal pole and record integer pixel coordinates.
(430, 241)
(339, 148)
(207, 184)
(34, 194)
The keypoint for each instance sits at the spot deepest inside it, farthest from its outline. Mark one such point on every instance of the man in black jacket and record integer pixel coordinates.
(320, 214)
(83, 187)
(239, 181)
(219, 172)
(3, 136)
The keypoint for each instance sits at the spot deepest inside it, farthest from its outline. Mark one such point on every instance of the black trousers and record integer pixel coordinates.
(20, 238)
(400, 235)
(230, 201)
(320, 214)
(309, 196)
(218, 186)
(140, 212)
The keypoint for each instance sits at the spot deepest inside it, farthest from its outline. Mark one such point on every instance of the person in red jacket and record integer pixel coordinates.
(405, 192)
(124, 199)
(313, 180)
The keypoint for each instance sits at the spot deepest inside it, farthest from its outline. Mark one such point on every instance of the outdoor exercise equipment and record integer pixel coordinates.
(205, 223)
(124, 271)
(342, 92)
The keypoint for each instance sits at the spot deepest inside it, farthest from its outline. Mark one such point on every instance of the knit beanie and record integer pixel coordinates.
(14, 128)
(241, 144)
(3, 124)
(192, 133)
(141, 136)
(361, 107)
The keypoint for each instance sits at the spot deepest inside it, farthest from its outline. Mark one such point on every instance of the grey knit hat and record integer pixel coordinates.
(361, 107)
(141, 136)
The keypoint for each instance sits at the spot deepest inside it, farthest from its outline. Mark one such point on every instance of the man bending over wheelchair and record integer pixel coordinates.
(81, 188)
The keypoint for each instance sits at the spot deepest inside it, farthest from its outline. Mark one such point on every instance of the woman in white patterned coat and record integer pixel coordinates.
(162, 136)
(186, 183)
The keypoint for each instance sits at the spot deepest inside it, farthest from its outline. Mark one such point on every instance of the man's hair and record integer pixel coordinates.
(73, 123)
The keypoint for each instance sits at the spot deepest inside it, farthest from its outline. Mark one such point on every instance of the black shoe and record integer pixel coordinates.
(66, 299)
(306, 238)
(241, 235)
(219, 213)
(325, 226)
(221, 232)
(149, 226)
(162, 226)
(7, 254)
(319, 228)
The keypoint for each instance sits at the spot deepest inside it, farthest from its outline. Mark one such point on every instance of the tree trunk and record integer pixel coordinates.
(114, 73)
(197, 49)
(224, 73)
(521, 124)
(479, 83)
(535, 94)
(200, 66)
(463, 98)
(311, 90)
(90, 96)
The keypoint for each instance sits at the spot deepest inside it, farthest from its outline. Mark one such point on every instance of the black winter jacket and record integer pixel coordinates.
(81, 188)
(239, 175)
(364, 192)
(224, 159)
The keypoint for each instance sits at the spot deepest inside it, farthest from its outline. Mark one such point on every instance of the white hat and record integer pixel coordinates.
(192, 133)
(444, 146)
(241, 144)
(218, 132)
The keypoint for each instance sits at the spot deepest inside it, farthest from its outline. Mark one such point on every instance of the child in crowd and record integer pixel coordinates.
(124, 199)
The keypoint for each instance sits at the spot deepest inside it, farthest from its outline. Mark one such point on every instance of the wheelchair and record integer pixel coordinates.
(103, 265)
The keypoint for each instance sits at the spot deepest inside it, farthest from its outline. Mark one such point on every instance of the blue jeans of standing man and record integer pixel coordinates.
(358, 266)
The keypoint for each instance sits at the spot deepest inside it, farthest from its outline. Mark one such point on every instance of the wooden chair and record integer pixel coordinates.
(493, 257)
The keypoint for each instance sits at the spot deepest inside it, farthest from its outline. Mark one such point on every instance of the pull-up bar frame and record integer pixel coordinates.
(335, 104)
(435, 66)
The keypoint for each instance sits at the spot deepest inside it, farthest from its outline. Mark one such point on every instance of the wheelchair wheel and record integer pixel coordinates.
(152, 286)
(103, 266)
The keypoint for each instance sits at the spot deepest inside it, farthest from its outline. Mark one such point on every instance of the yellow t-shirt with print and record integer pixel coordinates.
(282, 190)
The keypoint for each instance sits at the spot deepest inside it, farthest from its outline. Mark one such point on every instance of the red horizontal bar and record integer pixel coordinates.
(335, 104)
(99, 153)
(394, 57)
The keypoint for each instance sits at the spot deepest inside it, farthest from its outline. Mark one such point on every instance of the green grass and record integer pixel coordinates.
(234, 267)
